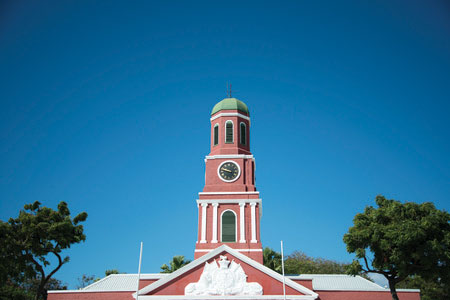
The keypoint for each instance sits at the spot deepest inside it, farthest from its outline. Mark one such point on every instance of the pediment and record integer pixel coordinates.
(224, 273)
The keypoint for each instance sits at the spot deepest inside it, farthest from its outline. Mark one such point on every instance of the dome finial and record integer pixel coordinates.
(229, 90)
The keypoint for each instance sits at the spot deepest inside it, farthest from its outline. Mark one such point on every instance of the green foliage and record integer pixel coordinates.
(300, 263)
(112, 271)
(405, 240)
(12, 290)
(176, 263)
(272, 259)
(429, 289)
(24, 290)
(85, 280)
(28, 241)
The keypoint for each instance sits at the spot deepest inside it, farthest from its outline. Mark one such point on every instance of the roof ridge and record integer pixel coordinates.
(96, 283)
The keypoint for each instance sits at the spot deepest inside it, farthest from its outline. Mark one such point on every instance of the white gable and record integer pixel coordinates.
(308, 294)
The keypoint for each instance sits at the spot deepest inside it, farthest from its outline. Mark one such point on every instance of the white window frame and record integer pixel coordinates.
(218, 133)
(232, 132)
(245, 125)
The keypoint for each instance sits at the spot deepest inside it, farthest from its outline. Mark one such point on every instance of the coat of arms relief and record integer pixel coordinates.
(225, 279)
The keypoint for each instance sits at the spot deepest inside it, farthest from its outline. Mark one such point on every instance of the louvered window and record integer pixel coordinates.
(228, 227)
(253, 172)
(229, 132)
(216, 134)
(243, 134)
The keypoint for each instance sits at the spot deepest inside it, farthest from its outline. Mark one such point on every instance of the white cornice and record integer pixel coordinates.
(228, 193)
(220, 156)
(227, 201)
(230, 115)
(241, 250)
(262, 297)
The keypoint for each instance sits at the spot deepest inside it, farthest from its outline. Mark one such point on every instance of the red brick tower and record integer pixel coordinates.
(229, 206)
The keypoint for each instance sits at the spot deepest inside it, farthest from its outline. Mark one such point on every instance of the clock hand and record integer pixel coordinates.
(227, 170)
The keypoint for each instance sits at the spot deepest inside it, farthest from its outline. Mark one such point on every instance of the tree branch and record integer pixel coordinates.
(39, 267)
(369, 270)
(60, 263)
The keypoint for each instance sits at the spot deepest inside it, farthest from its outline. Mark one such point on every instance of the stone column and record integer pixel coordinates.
(214, 233)
(203, 237)
(253, 205)
(242, 222)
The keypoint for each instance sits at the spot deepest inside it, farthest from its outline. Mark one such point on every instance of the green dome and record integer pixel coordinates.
(231, 104)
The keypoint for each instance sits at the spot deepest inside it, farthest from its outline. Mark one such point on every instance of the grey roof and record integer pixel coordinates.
(321, 282)
(338, 282)
(120, 282)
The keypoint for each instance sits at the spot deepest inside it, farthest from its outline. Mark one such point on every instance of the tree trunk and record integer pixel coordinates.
(392, 288)
(41, 293)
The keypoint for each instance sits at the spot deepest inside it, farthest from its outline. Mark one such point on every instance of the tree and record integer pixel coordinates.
(272, 259)
(407, 239)
(429, 289)
(85, 280)
(24, 290)
(112, 271)
(31, 238)
(300, 263)
(176, 263)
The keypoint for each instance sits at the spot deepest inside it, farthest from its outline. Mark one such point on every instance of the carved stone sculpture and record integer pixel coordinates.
(225, 279)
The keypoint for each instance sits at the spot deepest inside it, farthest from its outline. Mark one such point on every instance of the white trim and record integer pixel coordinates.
(242, 257)
(242, 222)
(253, 220)
(376, 287)
(232, 131)
(230, 115)
(203, 234)
(245, 125)
(262, 297)
(229, 193)
(229, 161)
(214, 131)
(214, 233)
(242, 250)
(220, 156)
(235, 226)
(228, 201)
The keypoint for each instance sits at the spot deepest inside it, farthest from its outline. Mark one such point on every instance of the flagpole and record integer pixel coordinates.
(282, 268)
(139, 272)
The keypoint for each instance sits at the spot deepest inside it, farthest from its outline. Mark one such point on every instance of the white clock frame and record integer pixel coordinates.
(229, 161)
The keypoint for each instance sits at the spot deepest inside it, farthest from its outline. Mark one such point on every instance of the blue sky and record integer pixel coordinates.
(105, 105)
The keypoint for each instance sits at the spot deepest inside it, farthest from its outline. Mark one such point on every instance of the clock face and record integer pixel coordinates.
(229, 171)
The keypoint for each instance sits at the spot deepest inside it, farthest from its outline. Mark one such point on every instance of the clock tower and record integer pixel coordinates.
(229, 207)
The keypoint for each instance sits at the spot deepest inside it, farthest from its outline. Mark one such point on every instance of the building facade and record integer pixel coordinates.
(228, 256)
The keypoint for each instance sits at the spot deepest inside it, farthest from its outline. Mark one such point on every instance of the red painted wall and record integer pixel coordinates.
(256, 255)
(91, 296)
(305, 282)
(349, 295)
(235, 147)
(270, 285)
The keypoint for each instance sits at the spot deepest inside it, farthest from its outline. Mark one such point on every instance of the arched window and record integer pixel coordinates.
(216, 134)
(228, 226)
(243, 136)
(229, 132)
